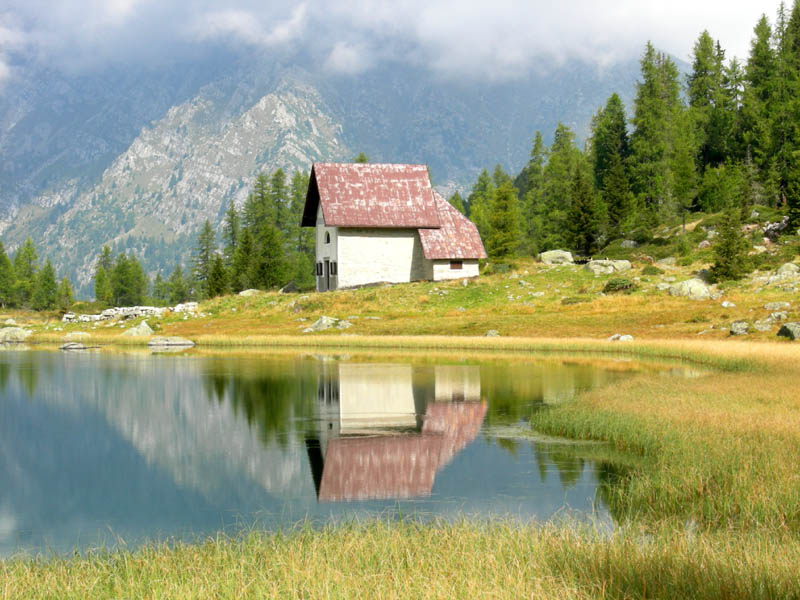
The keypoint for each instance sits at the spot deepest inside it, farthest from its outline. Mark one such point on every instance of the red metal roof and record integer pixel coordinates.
(371, 195)
(457, 237)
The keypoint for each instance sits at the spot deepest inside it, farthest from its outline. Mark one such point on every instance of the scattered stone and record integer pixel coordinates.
(606, 267)
(492, 333)
(694, 289)
(343, 324)
(788, 268)
(321, 324)
(618, 337)
(10, 322)
(186, 307)
(461, 309)
(171, 342)
(536, 294)
(250, 292)
(777, 306)
(763, 325)
(790, 330)
(14, 335)
(289, 288)
(76, 336)
(662, 287)
(755, 214)
(464, 282)
(740, 328)
(778, 316)
(72, 346)
(669, 261)
(703, 245)
(141, 330)
(773, 231)
(727, 304)
(556, 257)
(628, 244)
(759, 249)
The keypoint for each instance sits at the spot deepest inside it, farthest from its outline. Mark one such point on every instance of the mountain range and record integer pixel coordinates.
(139, 157)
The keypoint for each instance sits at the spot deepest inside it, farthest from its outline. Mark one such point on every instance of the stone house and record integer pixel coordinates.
(380, 223)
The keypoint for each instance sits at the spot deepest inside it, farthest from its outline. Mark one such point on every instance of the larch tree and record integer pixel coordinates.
(504, 224)
(45, 289)
(6, 279)
(203, 255)
(584, 219)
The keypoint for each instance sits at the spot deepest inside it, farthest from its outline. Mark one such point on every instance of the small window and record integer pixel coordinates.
(319, 269)
(456, 264)
(333, 268)
(327, 237)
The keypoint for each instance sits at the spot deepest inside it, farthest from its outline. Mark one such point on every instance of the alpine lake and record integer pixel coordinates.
(108, 449)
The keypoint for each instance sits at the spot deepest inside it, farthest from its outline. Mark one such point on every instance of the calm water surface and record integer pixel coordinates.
(99, 449)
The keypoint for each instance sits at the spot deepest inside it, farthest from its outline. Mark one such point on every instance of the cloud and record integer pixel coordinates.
(11, 39)
(474, 38)
(246, 26)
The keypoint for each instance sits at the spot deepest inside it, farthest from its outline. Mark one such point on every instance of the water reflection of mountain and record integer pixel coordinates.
(381, 436)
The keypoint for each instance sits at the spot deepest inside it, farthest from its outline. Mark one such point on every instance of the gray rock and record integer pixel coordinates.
(10, 322)
(461, 309)
(536, 294)
(694, 289)
(790, 330)
(250, 292)
(790, 268)
(556, 257)
(669, 261)
(755, 214)
(464, 282)
(289, 288)
(777, 305)
(763, 325)
(606, 267)
(759, 249)
(779, 315)
(14, 335)
(185, 307)
(69, 317)
(704, 244)
(343, 324)
(72, 346)
(170, 342)
(739, 328)
(492, 333)
(628, 244)
(618, 337)
(727, 304)
(141, 330)
(322, 324)
(662, 287)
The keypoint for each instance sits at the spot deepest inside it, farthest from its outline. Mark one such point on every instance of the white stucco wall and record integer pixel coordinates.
(442, 270)
(378, 255)
(325, 251)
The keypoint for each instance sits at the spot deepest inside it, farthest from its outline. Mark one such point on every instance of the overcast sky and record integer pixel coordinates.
(457, 38)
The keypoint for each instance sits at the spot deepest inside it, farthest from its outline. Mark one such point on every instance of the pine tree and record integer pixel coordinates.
(203, 255)
(269, 268)
(64, 295)
(44, 292)
(793, 194)
(684, 174)
(618, 198)
(730, 249)
(531, 175)
(256, 207)
(361, 158)
(231, 232)
(217, 283)
(7, 279)
(178, 290)
(480, 201)
(557, 184)
(241, 270)
(456, 202)
(609, 139)
(279, 202)
(25, 269)
(504, 225)
(583, 217)
(161, 289)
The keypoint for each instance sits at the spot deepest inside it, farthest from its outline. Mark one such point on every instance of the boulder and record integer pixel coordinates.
(250, 292)
(185, 307)
(694, 289)
(778, 315)
(69, 317)
(289, 288)
(492, 333)
(141, 330)
(628, 244)
(14, 335)
(556, 257)
(10, 322)
(76, 336)
(618, 337)
(322, 324)
(72, 346)
(790, 330)
(777, 305)
(170, 342)
(606, 267)
(343, 324)
(703, 245)
(669, 261)
(727, 304)
(739, 328)
(790, 268)
(763, 325)
(759, 249)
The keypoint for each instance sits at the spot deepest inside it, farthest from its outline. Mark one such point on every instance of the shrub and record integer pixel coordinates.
(619, 284)
(652, 270)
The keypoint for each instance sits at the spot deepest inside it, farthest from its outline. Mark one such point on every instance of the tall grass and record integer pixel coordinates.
(407, 560)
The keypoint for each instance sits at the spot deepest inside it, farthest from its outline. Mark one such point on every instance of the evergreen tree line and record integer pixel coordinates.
(25, 283)
(725, 138)
(262, 246)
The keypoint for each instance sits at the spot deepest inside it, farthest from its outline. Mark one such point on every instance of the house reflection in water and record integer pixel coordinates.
(385, 430)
